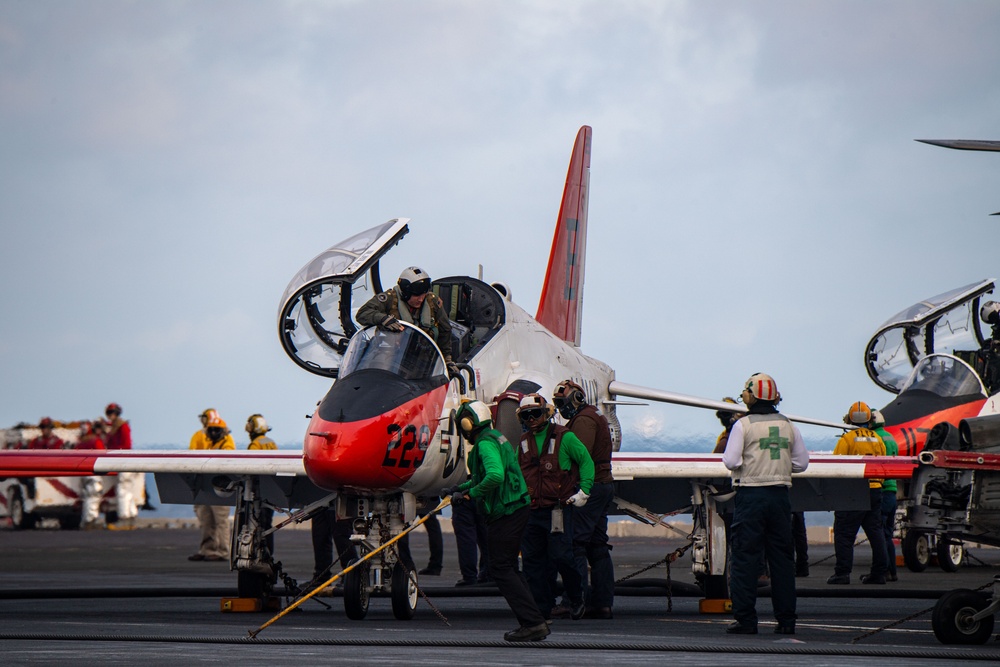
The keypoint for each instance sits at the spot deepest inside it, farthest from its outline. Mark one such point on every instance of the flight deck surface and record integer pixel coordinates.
(131, 597)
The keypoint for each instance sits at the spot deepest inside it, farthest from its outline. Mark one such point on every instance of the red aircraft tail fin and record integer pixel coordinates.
(560, 309)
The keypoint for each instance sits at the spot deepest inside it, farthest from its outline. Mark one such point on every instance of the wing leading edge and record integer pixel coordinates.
(74, 462)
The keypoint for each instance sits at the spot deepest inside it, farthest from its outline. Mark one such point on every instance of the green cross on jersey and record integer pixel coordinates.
(774, 442)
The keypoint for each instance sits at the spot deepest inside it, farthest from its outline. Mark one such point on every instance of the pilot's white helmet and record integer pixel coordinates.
(990, 312)
(414, 281)
(762, 387)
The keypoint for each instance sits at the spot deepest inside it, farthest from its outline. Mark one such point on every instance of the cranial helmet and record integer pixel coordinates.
(568, 397)
(473, 416)
(532, 402)
(257, 425)
(113, 407)
(216, 422)
(990, 312)
(208, 415)
(414, 281)
(859, 414)
(878, 420)
(725, 414)
(763, 388)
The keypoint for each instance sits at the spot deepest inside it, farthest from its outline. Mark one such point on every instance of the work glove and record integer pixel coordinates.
(458, 498)
(390, 323)
(450, 491)
(578, 499)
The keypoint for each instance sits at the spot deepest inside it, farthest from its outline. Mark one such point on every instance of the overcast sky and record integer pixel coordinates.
(758, 201)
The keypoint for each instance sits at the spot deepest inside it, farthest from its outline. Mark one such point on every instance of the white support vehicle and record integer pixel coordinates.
(25, 501)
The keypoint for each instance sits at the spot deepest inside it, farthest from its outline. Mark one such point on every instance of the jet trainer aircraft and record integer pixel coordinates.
(385, 432)
(945, 368)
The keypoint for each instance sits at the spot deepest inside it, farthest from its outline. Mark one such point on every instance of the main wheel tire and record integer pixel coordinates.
(916, 551)
(952, 614)
(19, 519)
(404, 592)
(356, 593)
(950, 554)
(253, 584)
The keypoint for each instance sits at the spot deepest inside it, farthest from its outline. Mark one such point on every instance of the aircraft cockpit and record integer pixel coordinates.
(945, 376)
(946, 324)
(410, 354)
(316, 314)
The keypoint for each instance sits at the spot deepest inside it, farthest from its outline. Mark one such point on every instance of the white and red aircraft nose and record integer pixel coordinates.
(371, 452)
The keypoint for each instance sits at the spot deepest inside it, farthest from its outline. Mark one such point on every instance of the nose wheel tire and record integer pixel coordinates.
(356, 592)
(253, 584)
(952, 618)
(404, 592)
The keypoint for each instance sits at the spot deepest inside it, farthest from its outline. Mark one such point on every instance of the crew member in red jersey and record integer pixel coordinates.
(130, 484)
(48, 439)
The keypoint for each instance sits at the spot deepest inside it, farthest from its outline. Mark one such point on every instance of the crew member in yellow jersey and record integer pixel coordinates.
(861, 441)
(257, 429)
(214, 519)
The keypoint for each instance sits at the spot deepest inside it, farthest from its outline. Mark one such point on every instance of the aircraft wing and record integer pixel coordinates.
(964, 144)
(650, 394)
(662, 482)
(182, 476)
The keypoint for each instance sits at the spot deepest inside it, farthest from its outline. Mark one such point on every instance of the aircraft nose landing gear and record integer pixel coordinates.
(384, 571)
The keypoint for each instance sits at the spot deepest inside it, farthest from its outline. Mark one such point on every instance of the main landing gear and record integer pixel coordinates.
(963, 616)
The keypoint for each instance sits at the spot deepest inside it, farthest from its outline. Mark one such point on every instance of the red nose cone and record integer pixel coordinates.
(379, 453)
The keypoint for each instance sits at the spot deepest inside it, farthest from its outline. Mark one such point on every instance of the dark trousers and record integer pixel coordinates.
(762, 528)
(801, 539)
(590, 546)
(845, 531)
(540, 549)
(503, 538)
(470, 537)
(326, 531)
(435, 541)
(888, 524)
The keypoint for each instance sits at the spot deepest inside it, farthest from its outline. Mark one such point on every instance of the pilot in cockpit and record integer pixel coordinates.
(411, 300)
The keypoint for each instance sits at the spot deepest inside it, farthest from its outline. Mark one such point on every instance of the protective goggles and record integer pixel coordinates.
(530, 414)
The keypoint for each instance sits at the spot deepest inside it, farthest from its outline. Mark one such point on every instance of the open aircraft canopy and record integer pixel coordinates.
(314, 318)
(947, 323)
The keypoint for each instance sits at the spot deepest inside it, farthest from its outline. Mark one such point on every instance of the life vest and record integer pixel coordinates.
(767, 451)
(548, 484)
(262, 442)
(428, 320)
(600, 449)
